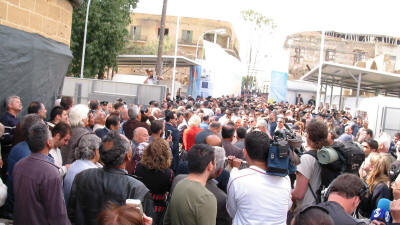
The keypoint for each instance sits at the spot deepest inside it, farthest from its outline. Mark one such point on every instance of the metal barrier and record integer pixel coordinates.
(84, 90)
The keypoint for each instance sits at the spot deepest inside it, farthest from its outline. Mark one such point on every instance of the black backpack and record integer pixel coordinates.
(351, 156)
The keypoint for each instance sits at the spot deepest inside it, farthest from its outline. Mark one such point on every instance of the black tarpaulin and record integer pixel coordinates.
(31, 66)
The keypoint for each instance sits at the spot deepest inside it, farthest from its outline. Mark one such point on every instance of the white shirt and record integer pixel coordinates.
(56, 154)
(255, 197)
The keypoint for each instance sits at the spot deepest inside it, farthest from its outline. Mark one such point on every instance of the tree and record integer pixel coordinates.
(261, 27)
(106, 35)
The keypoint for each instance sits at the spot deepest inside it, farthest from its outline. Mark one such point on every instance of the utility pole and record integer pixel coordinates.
(161, 42)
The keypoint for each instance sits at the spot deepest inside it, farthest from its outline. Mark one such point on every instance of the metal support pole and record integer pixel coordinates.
(330, 101)
(215, 38)
(178, 23)
(358, 89)
(340, 98)
(84, 39)
(161, 42)
(321, 58)
(326, 92)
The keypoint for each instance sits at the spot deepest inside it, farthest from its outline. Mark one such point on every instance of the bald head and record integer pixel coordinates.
(213, 140)
(100, 118)
(140, 135)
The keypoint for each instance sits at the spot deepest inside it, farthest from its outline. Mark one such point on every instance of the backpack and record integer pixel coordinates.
(350, 158)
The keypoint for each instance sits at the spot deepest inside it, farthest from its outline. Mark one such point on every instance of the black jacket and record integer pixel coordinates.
(93, 188)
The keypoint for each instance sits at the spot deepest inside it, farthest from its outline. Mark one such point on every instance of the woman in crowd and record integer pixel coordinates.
(79, 120)
(378, 183)
(190, 133)
(87, 155)
(154, 171)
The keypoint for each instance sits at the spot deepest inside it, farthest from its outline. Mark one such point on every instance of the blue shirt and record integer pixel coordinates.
(204, 125)
(18, 152)
(75, 168)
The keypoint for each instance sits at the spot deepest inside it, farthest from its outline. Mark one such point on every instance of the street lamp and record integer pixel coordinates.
(84, 39)
(216, 31)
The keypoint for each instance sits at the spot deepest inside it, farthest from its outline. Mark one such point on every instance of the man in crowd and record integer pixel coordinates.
(205, 121)
(18, 152)
(112, 123)
(38, 108)
(347, 136)
(93, 188)
(213, 129)
(67, 102)
(227, 137)
(99, 120)
(139, 144)
(170, 129)
(58, 114)
(9, 121)
(241, 134)
(255, 197)
(191, 202)
(344, 196)
(384, 145)
(133, 122)
(223, 217)
(272, 123)
(61, 134)
(308, 174)
(157, 130)
(37, 184)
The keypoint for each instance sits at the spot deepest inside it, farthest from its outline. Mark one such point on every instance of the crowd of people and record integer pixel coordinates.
(187, 161)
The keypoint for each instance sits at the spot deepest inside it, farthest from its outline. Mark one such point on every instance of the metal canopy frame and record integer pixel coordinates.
(351, 77)
(150, 60)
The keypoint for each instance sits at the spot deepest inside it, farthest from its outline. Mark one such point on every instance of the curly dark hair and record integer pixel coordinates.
(317, 132)
(157, 156)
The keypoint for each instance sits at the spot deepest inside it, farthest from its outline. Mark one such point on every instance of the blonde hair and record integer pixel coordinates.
(379, 172)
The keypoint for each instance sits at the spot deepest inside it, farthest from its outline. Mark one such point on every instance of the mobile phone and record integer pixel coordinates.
(168, 134)
(135, 202)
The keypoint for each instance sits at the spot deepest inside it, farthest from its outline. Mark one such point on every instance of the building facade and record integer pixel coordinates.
(367, 51)
(143, 40)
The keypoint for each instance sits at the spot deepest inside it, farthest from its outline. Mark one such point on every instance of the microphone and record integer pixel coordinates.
(382, 212)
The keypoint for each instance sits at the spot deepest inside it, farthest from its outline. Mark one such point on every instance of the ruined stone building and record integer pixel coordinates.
(377, 52)
(143, 40)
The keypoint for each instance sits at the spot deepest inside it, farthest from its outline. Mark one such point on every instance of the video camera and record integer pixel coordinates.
(282, 158)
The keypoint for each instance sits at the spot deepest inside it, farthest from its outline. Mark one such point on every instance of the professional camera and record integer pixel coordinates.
(282, 160)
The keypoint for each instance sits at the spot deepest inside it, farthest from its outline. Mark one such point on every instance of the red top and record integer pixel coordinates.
(189, 136)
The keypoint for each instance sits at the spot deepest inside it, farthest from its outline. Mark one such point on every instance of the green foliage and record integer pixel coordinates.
(249, 82)
(150, 48)
(258, 19)
(106, 35)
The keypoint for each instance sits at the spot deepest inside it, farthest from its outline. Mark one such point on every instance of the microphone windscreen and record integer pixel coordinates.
(384, 203)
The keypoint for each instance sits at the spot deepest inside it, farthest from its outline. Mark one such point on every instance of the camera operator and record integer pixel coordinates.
(309, 171)
(255, 197)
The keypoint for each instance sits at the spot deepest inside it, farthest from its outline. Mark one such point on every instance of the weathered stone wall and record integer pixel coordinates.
(344, 52)
(49, 18)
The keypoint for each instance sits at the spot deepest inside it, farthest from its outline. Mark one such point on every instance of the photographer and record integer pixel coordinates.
(309, 171)
(255, 197)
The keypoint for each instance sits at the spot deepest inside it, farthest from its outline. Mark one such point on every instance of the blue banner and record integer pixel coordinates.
(194, 81)
(278, 87)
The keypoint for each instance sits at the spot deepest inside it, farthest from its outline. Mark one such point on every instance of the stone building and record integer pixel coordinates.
(35, 39)
(377, 52)
(144, 32)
